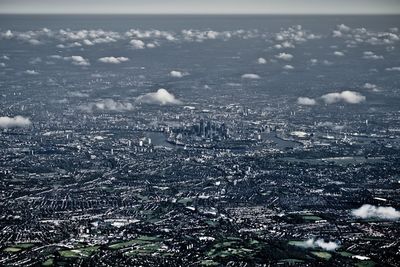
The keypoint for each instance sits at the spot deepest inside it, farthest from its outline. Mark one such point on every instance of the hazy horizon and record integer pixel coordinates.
(256, 7)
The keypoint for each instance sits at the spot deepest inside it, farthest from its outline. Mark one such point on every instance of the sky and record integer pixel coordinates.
(201, 6)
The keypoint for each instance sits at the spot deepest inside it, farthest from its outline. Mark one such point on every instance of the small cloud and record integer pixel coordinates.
(367, 211)
(393, 69)
(113, 60)
(261, 60)
(340, 29)
(343, 28)
(250, 76)
(337, 33)
(31, 72)
(345, 96)
(88, 42)
(319, 243)
(287, 44)
(34, 42)
(306, 101)
(284, 56)
(14, 122)
(55, 57)
(177, 74)
(371, 86)
(78, 60)
(371, 55)
(151, 45)
(330, 246)
(161, 97)
(288, 67)
(8, 34)
(338, 54)
(137, 44)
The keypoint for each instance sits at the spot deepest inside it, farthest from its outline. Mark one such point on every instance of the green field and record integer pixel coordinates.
(12, 249)
(233, 247)
(291, 261)
(142, 245)
(322, 255)
(311, 218)
(141, 240)
(122, 244)
(78, 252)
(18, 247)
(24, 245)
(365, 264)
(48, 262)
(209, 263)
(346, 254)
(296, 243)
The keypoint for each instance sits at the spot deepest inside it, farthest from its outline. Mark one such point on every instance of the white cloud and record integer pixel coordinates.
(288, 67)
(371, 86)
(250, 76)
(8, 34)
(88, 42)
(212, 34)
(345, 96)
(161, 97)
(367, 211)
(320, 243)
(306, 101)
(31, 72)
(151, 45)
(55, 57)
(177, 74)
(14, 122)
(330, 246)
(287, 44)
(78, 60)
(137, 44)
(293, 35)
(393, 69)
(337, 33)
(104, 40)
(113, 60)
(357, 36)
(261, 60)
(343, 28)
(338, 53)
(284, 56)
(371, 55)
(34, 42)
